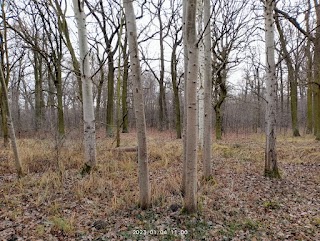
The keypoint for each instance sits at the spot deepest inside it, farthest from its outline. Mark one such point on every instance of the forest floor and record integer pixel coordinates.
(54, 202)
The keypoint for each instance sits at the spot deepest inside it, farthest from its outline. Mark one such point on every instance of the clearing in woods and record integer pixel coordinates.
(53, 202)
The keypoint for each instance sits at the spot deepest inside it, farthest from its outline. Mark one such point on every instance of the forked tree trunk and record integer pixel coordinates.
(271, 167)
(207, 94)
(88, 111)
(190, 199)
(144, 183)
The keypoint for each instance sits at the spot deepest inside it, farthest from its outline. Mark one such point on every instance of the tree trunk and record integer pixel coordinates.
(124, 95)
(201, 71)
(317, 74)
(309, 76)
(207, 94)
(10, 125)
(292, 80)
(176, 99)
(144, 183)
(110, 104)
(190, 199)
(58, 84)
(88, 109)
(271, 167)
(38, 91)
(222, 94)
(99, 89)
(185, 119)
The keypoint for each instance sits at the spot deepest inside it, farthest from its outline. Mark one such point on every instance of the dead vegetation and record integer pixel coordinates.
(237, 204)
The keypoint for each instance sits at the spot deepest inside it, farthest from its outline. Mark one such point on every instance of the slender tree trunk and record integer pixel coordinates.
(190, 199)
(292, 80)
(124, 95)
(185, 119)
(99, 89)
(10, 125)
(144, 183)
(201, 88)
(58, 84)
(271, 167)
(110, 104)
(221, 82)
(38, 91)
(207, 140)
(2, 95)
(309, 75)
(118, 110)
(317, 74)
(176, 98)
(4, 119)
(88, 109)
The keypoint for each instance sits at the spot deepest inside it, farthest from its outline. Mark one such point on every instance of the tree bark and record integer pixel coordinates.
(10, 125)
(88, 109)
(292, 80)
(144, 183)
(309, 75)
(317, 74)
(207, 94)
(271, 167)
(175, 87)
(124, 95)
(190, 199)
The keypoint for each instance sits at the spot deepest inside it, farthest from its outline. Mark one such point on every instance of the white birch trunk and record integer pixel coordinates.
(271, 168)
(88, 109)
(207, 138)
(190, 200)
(144, 183)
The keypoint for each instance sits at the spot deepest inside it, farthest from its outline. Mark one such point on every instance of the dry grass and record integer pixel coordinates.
(64, 204)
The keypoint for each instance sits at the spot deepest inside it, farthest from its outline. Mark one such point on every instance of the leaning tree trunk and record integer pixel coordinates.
(190, 199)
(207, 94)
(144, 183)
(88, 109)
(271, 167)
(10, 125)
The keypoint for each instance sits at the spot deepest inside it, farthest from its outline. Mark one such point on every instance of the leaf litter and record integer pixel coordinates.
(239, 203)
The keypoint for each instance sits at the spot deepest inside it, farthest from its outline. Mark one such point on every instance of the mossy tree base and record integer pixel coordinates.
(296, 133)
(86, 169)
(272, 173)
